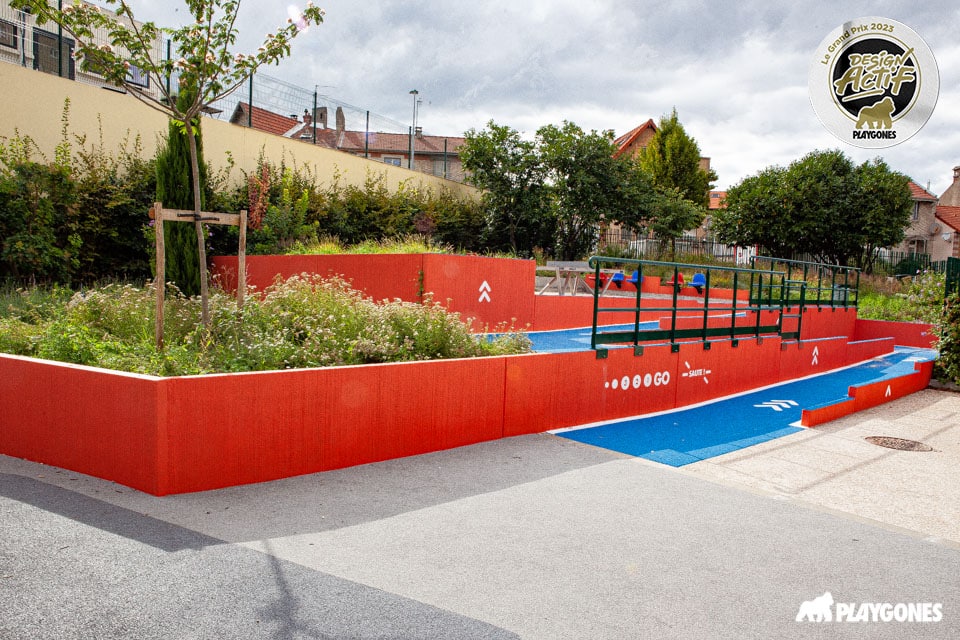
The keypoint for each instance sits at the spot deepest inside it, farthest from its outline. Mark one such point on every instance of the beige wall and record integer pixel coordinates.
(33, 106)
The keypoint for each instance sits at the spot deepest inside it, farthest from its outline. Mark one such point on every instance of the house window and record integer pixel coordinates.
(47, 54)
(916, 210)
(8, 34)
(440, 167)
(392, 160)
(136, 75)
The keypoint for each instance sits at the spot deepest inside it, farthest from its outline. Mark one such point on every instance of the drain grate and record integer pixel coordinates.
(900, 444)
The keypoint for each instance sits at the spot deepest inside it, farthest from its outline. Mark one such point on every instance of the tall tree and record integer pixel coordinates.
(175, 191)
(588, 186)
(673, 161)
(821, 205)
(885, 207)
(203, 63)
(509, 171)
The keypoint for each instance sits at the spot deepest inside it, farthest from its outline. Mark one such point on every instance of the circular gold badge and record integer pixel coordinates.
(873, 82)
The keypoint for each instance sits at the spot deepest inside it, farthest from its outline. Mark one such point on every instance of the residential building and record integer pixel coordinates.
(436, 155)
(633, 142)
(951, 197)
(934, 228)
(27, 44)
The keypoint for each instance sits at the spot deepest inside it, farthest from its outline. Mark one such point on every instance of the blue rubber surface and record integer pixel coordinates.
(566, 340)
(684, 436)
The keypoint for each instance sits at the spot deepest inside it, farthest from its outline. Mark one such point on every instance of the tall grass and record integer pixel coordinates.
(302, 322)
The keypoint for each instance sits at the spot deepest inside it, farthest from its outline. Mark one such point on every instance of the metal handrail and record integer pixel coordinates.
(842, 288)
(769, 291)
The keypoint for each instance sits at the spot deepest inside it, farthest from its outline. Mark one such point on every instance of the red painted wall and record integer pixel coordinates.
(194, 433)
(378, 276)
(909, 334)
(826, 322)
(870, 395)
(493, 291)
(93, 421)
(269, 425)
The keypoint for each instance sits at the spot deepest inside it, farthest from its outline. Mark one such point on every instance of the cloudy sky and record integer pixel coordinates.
(736, 71)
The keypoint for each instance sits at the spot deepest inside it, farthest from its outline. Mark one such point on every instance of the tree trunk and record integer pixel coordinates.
(201, 241)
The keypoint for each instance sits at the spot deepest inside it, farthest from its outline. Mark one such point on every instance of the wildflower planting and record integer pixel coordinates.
(303, 322)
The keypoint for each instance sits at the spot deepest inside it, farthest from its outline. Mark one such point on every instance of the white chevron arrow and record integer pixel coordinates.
(777, 405)
(484, 292)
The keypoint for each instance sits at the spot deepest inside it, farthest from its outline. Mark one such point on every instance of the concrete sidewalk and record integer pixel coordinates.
(530, 537)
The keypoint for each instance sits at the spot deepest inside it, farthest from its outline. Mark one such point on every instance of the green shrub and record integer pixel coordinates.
(303, 322)
(947, 329)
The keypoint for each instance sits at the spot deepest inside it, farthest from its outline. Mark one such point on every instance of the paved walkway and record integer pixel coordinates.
(530, 537)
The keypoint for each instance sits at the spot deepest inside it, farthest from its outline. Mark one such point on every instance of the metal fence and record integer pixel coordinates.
(268, 103)
(628, 244)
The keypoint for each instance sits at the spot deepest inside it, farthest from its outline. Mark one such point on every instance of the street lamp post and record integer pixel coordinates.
(413, 129)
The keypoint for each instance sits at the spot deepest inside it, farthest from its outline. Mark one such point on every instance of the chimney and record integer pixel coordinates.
(341, 120)
(322, 117)
(418, 132)
(307, 118)
(956, 174)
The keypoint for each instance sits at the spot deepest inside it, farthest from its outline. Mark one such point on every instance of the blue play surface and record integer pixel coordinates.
(566, 340)
(683, 436)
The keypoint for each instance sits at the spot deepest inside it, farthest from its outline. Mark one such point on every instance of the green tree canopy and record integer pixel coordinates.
(588, 186)
(555, 191)
(821, 205)
(509, 170)
(672, 159)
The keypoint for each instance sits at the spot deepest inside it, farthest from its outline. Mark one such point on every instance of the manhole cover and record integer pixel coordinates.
(900, 444)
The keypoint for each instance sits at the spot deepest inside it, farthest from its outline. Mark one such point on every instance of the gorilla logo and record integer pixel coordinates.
(817, 610)
(879, 115)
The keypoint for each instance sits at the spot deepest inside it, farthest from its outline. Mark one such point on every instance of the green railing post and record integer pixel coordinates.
(673, 313)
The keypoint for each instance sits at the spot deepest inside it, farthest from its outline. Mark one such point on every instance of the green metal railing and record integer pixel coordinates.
(826, 285)
(773, 300)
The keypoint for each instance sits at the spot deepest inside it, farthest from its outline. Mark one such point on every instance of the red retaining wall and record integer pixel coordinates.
(173, 435)
(870, 395)
(98, 422)
(908, 334)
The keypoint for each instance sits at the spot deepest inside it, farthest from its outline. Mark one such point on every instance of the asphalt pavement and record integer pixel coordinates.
(529, 537)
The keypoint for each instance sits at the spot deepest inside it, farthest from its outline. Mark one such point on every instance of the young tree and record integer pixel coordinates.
(671, 214)
(203, 63)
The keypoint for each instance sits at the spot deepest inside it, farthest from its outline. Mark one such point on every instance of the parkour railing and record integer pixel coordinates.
(773, 304)
(828, 285)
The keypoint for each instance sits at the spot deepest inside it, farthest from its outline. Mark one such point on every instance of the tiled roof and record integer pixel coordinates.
(262, 120)
(624, 141)
(919, 193)
(380, 142)
(950, 216)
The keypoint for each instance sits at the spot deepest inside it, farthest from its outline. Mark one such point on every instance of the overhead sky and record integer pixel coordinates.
(735, 70)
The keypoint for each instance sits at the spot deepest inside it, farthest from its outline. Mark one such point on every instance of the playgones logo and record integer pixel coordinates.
(874, 82)
(824, 609)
